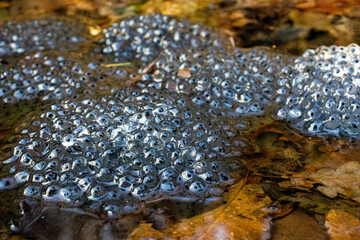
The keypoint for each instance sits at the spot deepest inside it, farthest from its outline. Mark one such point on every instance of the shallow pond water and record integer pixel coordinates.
(117, 126)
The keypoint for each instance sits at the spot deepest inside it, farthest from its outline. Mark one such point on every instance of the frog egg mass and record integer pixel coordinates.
(143, 38)
(49, 76)
(110, 147)
(324, 93)
(132, 146)
(231, 84)
(41, 34)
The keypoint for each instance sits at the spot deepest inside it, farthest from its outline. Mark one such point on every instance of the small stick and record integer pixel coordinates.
(117, 64)
(146, 69)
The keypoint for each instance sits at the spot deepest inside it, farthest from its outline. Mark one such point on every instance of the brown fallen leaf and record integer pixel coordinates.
(4, 134)
(342, 225)
(300, 181)
(243, 22)
(318, 203)
(310, 168)
(270, 127)
(274, 157)
(280, 210)
(144, 230)
(287, 134)
(243, 216)
(329, 6)
(16, 237)
(4, 4)
(298, 225)
(344, 180)
(176, 7)
(184, 73)
(254, 180)
(317, 155)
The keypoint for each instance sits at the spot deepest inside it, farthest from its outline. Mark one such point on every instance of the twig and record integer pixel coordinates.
(117, 64)
(146, 69)
(282, 124)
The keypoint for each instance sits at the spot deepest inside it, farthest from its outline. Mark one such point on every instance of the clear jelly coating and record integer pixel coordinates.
(324, 92)
(41, 34)
(145, 37)
(230, 83)
(112, 152)
(42, 76)
(110, 149)
(233, 82)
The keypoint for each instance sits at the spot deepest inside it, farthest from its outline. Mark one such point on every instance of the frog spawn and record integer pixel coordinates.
(229, 81)
(232, 84)
(324, 99)
(48, 76)
(234, 77)
(41, 34)
(145, 37)
(114, 152)
(80, 154)
(138, 40)
(47, 65)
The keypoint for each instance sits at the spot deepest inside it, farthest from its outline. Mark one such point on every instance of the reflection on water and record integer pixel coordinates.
(143, 129)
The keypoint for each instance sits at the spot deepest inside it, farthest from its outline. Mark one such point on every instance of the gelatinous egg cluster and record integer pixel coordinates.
(228, 81)
(41, 34)
(230, 84)
(324, 97)
(46, 76)
(110, 149)
(145, 37)
(113, 152)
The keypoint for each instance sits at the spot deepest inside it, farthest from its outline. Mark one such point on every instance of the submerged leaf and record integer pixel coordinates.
(342, 226)
(318, 203)
(298, 225)
(243, 216)
(144, 231)
(344, 180)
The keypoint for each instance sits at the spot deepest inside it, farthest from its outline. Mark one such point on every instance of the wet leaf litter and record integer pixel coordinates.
(311, 159)
(245, 205)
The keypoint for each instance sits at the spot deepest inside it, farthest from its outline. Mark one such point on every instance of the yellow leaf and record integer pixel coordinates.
(298, 226)
(176, 7)
(236, 15)
(4, 4)
(243, 217)
(342, 225)
(144, 230)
